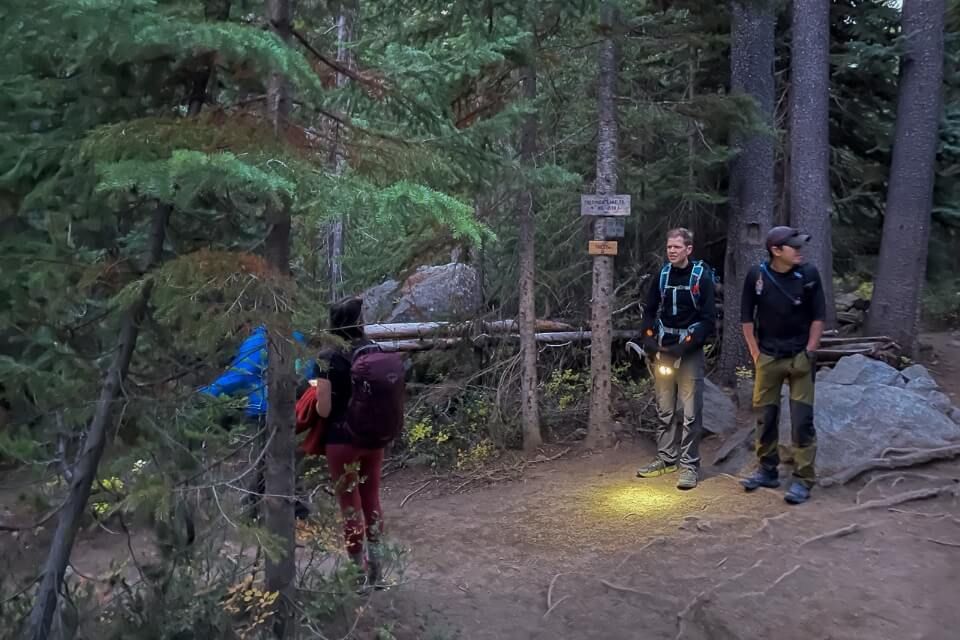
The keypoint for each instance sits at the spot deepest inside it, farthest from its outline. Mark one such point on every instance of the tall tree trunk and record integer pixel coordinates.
(906, 223)
(751, 173)
(601, 319)
(526, 204)
(810, 136)
(218, 10)
(346, 28)
(45, 603)
(279, 478)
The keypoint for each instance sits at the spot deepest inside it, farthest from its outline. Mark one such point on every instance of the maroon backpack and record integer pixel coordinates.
(378, 389)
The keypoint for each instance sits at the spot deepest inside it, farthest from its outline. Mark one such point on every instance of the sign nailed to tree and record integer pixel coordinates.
(612, 206)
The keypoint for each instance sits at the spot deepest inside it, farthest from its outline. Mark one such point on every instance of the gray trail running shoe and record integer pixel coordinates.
(655, 469)
(688, 478)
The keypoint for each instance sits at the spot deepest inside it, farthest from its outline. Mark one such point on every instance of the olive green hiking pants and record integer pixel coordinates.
(771, 373)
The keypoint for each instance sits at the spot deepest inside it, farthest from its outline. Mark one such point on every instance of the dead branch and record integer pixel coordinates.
(897, 479)
(706, 594)
(918, 457)
(773, 584)
(618, 587)
(921, 514)
(909, 496)
(649, 544)
(39, 523)
(555, 605)
(943, 543)
(836, 533)
(900, 451)
(766, 521)
(416, 491)
(550, 592)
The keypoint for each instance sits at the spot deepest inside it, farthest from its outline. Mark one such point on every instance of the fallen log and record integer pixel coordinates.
(830, 340)
(401, 330)
(556, 337)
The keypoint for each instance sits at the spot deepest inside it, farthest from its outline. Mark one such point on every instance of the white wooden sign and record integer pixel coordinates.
(608, 206)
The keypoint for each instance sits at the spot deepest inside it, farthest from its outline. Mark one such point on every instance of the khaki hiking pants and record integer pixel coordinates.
(771, 373)
(680, 411)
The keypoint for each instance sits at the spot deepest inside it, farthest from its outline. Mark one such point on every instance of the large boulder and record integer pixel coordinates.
(855, 423)
(864, 406)
(860, 369)
(431, 293)
(719, 411)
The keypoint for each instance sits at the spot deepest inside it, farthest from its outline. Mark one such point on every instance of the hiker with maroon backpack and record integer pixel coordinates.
(360, 392)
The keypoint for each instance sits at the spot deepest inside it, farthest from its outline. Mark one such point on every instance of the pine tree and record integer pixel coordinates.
(751, 174)
(895, 308)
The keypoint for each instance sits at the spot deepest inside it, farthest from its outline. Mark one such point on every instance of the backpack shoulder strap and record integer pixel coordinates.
(664, 278)
(695, 274)
(364, 348)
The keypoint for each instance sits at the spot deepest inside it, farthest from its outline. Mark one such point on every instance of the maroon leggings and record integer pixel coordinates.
(356, 480)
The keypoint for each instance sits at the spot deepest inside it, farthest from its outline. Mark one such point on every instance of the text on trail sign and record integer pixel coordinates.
(602, 248)
(592, 205)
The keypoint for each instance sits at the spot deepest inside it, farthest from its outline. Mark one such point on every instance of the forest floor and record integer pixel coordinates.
(577, 548)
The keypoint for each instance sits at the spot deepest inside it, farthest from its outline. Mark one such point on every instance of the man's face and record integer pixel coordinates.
(678, 251)
(789, 254)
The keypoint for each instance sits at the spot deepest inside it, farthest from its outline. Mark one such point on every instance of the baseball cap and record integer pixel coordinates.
(779, 236)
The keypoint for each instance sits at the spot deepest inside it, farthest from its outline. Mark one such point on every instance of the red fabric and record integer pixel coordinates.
(359, 496)
(309, 420)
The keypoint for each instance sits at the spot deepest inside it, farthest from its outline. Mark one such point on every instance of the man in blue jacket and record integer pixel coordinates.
(247, 376)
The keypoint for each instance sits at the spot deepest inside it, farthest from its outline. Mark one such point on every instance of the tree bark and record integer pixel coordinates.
(601, 317)
(751, 173)
(810, 136)
(45, 602)
(529, 408)
(279, 478)
(895, 308)
(218, 10)
(346, 28)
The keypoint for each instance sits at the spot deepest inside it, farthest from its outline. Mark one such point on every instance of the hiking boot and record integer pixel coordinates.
(362, 583)
(769, 478)
(656, 468)
(797, 493)
(375, 557)
(688, 478)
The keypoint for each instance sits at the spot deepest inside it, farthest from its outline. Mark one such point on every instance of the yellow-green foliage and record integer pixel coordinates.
(567, 387)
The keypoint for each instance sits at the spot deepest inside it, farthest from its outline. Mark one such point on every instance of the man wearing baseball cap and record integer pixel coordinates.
(782, 313)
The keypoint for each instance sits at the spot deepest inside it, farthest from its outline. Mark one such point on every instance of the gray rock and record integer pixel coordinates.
(434, 293)
(940, 401)
(916, 372)
(922, 385)
(857, 422)
(719, 411)
(955, 415)
(860, 370)
(379, 301)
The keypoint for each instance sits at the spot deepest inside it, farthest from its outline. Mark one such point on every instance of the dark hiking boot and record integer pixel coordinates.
(656, 469)
(376, 554)
(769, 478)
(797, 494)
(687, 479)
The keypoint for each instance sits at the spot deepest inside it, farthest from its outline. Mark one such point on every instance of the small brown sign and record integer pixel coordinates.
(602, 247)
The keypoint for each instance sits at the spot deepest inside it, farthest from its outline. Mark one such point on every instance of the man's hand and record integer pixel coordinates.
(754, 353)
(650, 345)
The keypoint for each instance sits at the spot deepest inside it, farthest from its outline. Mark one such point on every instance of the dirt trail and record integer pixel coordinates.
(625, 557)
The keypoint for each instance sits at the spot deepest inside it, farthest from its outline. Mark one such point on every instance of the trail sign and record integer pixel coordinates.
(612, 206)
(602, 247)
